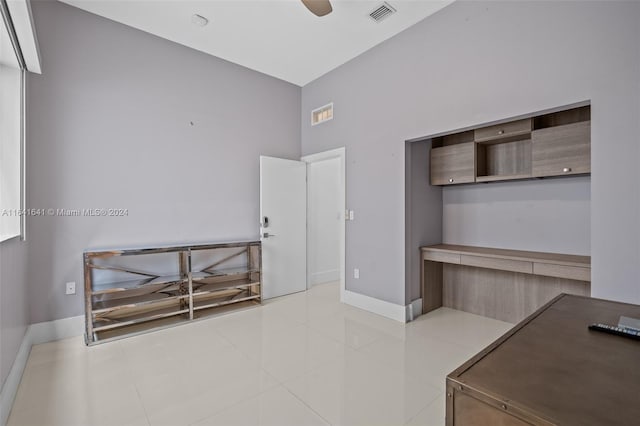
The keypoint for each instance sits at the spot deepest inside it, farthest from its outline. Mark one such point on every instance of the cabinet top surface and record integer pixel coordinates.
(530, 256)
(553, 365)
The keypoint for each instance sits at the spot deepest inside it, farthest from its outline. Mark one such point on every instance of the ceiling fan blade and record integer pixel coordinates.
(318, 7)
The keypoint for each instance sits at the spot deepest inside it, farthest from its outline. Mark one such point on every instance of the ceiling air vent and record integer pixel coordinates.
(322, 114)
(382, 11)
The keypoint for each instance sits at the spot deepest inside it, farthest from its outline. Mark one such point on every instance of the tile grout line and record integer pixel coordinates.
(146, 415)
(423, 408)
(127, 362)
(306, 405)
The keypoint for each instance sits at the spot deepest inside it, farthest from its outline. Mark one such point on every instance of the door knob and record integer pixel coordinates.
(267, 235)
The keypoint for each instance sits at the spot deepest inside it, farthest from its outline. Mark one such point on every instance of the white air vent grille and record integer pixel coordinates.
(382, 11)
(322, 114)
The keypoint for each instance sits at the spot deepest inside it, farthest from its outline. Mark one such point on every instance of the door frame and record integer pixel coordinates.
(339, 153)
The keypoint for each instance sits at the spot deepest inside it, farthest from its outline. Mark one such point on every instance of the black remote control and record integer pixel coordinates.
(619, 331)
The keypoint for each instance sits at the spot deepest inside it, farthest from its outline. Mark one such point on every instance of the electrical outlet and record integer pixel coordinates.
(70, 287)
(356, 273)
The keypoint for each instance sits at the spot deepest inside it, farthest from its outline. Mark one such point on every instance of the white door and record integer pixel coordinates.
(283, 230)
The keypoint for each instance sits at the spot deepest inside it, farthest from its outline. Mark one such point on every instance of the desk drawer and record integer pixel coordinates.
(440, 256)
(562, 271)
(493, 263)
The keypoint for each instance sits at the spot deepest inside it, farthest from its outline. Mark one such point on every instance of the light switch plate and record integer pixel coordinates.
(70, 287)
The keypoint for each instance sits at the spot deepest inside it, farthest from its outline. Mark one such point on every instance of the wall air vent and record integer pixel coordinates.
(381, 12)
(322, 114)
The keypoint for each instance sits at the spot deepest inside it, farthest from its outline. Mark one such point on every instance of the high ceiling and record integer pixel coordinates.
(279, 38)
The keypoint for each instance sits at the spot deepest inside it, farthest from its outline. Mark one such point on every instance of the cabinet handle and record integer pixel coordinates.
(566, 170)
(450, 180)
(501, 132)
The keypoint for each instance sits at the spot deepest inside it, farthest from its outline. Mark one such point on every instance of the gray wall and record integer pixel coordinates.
(109, 127)
(14, 310)
(478, 62)
(538, 215)
(423, 213)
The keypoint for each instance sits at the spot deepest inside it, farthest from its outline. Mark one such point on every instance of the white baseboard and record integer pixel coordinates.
(386, 309)
(41, 332)
(10, 388)
(414, 310)
(324, 276)
(377, 306)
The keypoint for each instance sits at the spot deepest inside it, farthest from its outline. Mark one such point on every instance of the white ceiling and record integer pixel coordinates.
(279, 38)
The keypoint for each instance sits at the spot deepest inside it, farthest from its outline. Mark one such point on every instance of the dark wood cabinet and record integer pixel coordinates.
(552, 144)
(453, 164)
(561, 150)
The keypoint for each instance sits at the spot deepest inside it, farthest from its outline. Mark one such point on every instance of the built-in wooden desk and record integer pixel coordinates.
(552, 370)
(498, 283)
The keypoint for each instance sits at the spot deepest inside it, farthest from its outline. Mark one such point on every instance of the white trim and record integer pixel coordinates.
(414, 310)
(324, 277)
(377, 306)
(10, 388)
(22, 18)
(340, 153)
(41, 332)
(324, 155)
(50, 331)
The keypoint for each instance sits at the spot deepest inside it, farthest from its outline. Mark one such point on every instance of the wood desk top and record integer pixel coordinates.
(552, 368)
(528, 256)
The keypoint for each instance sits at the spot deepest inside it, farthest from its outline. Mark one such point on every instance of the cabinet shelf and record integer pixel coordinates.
(104, 288)
(495, 178)
(113, 305)
(226, 272)
(204, 312)
(116, 309)
(101, 324)
(226, 285)
(208, 304)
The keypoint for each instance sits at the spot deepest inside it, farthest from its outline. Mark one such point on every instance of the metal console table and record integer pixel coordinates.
(132, 291)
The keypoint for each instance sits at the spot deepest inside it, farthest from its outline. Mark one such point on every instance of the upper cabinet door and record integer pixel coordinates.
(561, 150)
(453, 164)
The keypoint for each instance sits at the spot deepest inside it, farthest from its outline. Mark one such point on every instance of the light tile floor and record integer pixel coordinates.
(303, 359)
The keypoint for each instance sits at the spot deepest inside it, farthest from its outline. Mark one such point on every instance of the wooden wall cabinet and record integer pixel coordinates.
(453, 164)
(561, 150)
(554, 144)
